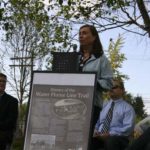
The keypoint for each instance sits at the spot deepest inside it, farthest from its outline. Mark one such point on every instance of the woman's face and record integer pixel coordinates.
(86, 37)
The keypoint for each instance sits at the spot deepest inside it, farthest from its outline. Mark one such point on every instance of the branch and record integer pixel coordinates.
(131, 19)
(144, 14)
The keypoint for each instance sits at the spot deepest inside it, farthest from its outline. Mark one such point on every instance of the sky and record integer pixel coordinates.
(136, 66)
(137, 52)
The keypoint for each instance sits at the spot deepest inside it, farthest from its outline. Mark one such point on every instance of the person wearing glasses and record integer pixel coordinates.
(113, 133)
(8, 115)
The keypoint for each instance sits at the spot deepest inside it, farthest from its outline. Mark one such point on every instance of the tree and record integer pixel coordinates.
(32, 30)
(31, 35)
(116, 59)
(115, 56)
(139, 107)
(24, 40)
(130, 15)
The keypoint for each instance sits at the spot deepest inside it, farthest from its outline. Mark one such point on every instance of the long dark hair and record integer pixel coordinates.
(3, 75)
(97, 50)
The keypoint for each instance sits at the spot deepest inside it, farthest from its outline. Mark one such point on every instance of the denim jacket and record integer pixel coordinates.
(102, 68)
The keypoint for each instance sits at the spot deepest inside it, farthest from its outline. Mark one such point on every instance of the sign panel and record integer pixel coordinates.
(60, 110)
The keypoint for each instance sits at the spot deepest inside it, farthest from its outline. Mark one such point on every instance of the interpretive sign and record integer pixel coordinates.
(60, 110)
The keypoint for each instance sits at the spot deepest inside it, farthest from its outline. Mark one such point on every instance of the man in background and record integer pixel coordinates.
(116, 121)
(8, 115)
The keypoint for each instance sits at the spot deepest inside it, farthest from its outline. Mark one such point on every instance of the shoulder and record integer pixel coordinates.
(11, 98)
(105, 103)
(127, 106)
(103, 57)
(104, 60)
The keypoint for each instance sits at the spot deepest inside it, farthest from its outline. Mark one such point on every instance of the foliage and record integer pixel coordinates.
(138, 105)
(31, 35)
(115, 56)
(23, 41)
(104, 15)
(126, 14)
(22, 118)
(34, 30)
(18, 143)
(116, 59)
(42, 18)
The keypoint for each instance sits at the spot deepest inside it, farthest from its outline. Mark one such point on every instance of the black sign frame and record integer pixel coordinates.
(60, 111)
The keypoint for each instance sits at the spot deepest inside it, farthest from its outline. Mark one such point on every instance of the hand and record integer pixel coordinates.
(137, 134)
(104, 135)
(99, 135)
(96, 133)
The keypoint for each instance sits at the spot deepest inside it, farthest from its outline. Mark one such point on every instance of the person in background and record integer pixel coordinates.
(93, 59)
(8, 115)
(142, 142)
(112, 131)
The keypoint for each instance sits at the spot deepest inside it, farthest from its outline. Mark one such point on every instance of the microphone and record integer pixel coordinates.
(75, 47)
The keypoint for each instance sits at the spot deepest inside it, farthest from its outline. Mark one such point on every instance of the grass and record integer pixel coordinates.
(18, 143)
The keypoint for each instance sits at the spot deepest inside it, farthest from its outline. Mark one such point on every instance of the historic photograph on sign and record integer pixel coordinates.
(59, 115)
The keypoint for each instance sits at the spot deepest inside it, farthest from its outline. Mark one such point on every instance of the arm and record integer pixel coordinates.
(127, 123)
(10, 115)
(105, 74)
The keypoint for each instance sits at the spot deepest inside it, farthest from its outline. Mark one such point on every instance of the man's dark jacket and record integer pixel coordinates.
(8, 117)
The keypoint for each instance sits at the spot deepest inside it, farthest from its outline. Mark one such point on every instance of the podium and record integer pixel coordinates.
(65, 62)
(61, 106)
